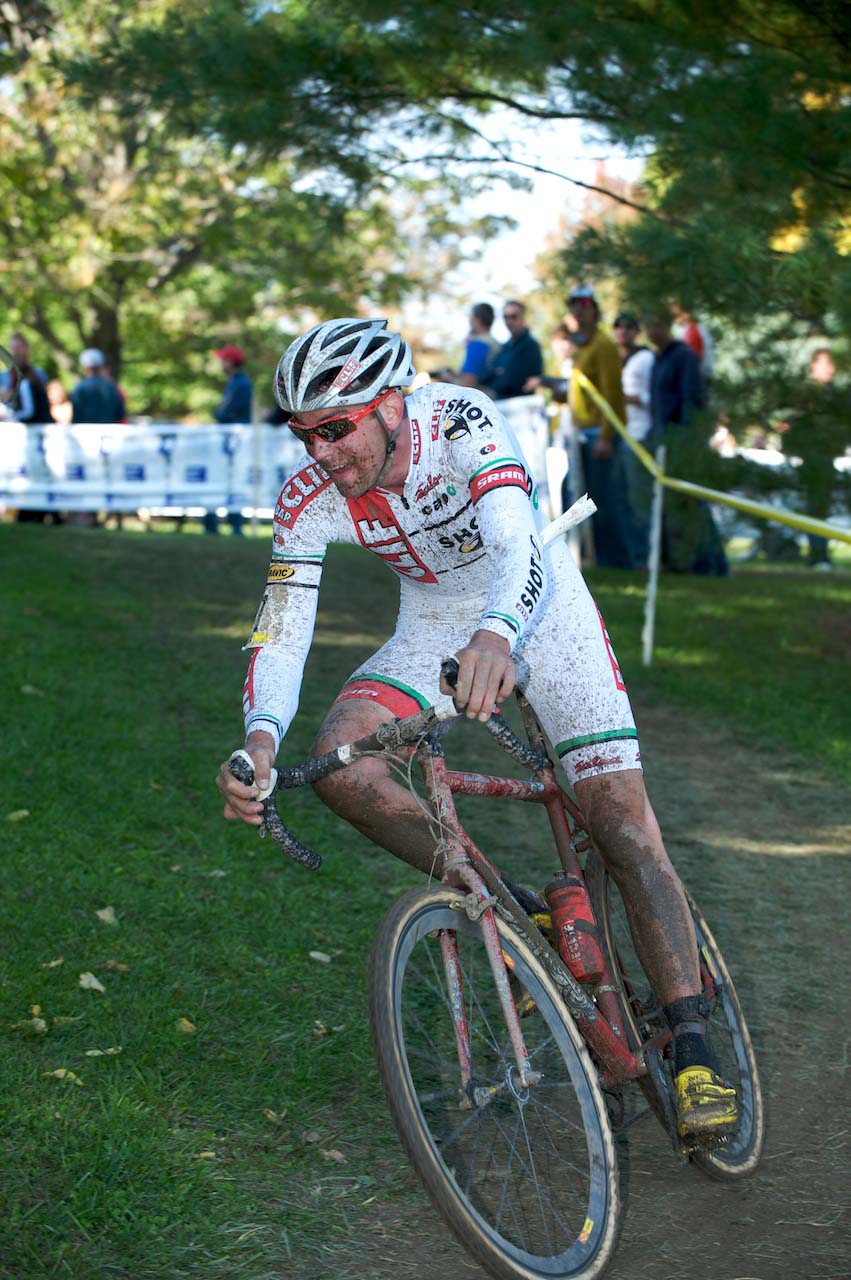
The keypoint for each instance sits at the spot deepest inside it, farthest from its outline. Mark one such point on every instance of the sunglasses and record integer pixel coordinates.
(333, 429)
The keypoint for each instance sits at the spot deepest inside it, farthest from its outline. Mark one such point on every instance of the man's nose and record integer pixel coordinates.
(319, 448)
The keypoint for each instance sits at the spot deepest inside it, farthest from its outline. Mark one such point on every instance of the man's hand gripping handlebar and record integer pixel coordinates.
(406, 732)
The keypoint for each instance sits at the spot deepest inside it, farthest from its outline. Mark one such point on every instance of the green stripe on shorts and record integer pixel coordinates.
(397, 684)
(590, 739)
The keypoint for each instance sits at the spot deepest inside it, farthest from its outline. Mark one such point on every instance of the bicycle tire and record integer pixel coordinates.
(539, 1203)
(727, 1030)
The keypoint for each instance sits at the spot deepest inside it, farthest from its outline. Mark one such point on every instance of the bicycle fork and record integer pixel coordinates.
(478, 906)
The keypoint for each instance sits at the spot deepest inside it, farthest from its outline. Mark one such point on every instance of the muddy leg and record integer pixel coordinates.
(368, 796)
(624, 829)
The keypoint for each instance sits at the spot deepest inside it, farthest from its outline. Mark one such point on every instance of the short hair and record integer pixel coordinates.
(821, 351)
(513, 302)
(484, 313)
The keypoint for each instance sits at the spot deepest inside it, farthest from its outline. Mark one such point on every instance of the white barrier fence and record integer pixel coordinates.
(167, 467)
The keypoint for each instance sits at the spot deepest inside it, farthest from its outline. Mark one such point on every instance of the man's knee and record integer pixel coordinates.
(349, 790)
(618, 815)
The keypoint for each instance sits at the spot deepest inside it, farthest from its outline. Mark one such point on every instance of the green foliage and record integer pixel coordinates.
(134, 226)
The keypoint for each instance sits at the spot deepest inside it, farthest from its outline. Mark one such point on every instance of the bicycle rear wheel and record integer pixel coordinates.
(727, 1031)
(527, 1179)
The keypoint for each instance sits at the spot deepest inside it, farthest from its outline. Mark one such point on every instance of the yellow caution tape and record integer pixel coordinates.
(807, 524)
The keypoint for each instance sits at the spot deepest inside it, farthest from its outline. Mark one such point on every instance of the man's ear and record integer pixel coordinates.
(393, 410)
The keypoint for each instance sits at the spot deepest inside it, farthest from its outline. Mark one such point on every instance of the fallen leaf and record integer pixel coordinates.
(30, 688)
(183, 1024)
(31, 1024)
(275, 1116)
(215, 875)
(35, 1009)
(320, 956)
(312, 1135)
(107, 915)
(206, 1155)
(53, 964)
(62, 1073)
(17, 815)
(115, 966)
(102, 1053)
(319, 1028)
(331, 1153)
(89, 982)
(176, 866)
(341, 1027)
(60, 1021)
(155, 786)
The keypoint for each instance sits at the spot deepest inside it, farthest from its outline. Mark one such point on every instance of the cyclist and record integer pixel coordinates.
(435, 484)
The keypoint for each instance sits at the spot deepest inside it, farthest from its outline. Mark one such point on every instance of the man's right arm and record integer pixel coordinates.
(282, 632)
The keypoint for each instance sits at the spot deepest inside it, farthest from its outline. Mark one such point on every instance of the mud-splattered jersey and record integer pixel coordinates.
(463, 536)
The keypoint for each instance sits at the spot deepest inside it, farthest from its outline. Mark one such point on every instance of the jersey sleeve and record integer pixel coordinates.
(304, 524)
(484, 455)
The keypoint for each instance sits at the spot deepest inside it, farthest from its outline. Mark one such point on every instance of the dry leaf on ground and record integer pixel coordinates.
(107, 915)
(17, 815)
(102, 1053)
(89, 982)
(332, 1153)
(320, 956)
(31, 1024)
(114, 966)
(53, 964)
(183, 1024)
(62, 1073)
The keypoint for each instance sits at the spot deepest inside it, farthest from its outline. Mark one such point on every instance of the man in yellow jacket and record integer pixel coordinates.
(596, 355)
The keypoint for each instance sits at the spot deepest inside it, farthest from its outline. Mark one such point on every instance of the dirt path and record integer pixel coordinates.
(764, 847)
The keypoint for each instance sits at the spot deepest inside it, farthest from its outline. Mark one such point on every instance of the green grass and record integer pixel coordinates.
(121, 687)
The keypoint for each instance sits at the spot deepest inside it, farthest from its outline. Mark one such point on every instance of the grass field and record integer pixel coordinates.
(236, 1129)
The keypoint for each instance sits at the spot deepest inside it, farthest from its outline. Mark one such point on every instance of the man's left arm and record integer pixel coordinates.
(501, 493)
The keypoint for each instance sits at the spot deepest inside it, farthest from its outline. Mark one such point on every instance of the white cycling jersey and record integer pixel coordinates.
(463, 540)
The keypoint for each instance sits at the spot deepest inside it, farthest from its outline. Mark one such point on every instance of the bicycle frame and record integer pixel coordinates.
(599, 1020)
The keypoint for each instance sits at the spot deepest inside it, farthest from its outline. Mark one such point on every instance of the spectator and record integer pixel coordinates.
(516, 361)
(817, 434)
(695, 335)
(19, 350)
(60, 402)
(234, 407)
(597, 357)
(636, 369)
(96, 397)
(27, 396)
(482, 347)
(690, 538)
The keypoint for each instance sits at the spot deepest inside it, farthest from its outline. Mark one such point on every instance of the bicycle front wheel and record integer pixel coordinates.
(727, 1030)
(526, 1178)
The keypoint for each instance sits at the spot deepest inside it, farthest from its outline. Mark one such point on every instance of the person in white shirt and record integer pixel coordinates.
(635, 378)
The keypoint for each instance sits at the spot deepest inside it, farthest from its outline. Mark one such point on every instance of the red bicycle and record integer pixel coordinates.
(506, 1027)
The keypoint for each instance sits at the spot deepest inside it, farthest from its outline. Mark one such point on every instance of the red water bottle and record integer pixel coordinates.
(575, 928)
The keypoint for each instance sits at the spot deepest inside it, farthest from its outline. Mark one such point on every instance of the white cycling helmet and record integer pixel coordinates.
(341, 362)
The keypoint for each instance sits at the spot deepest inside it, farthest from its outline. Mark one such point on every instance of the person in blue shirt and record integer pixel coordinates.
(234, 406)
(516, 361)
(691, 542)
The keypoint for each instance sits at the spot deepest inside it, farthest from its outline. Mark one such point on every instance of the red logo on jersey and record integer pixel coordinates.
(435, 418)
(378, 531)
(426, 487)
(619, 681)
(299, 490)
(498, 478)
(416, 443)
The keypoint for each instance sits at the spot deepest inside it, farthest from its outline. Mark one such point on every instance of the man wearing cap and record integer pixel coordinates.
(234, 406)
(96, 398)
(597, 357)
